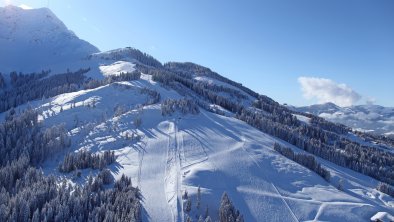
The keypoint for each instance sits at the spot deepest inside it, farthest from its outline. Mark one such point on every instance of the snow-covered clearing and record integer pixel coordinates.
(117, 68)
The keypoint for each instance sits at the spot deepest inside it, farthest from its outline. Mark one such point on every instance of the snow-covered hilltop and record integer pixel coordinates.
(367, 118)
(37, 39)
(198, 146)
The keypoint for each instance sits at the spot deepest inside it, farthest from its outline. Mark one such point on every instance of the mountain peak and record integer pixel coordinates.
(37, 36)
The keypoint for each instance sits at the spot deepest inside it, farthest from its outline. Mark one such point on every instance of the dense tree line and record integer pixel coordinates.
(22, 135)
(129, 76)
(386, 188)
(194, 69)
(154, 96)
(94, 83)
(129, 53)
(33, 86)
(2, 81)
(305, 160)
(36, 197)
(326, 125)
(387, 142)
(86, 159)
(185, 106)
(201, 89)
(21, 79)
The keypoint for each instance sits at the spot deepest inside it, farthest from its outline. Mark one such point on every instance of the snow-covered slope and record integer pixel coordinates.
(35, 39)
(368, 118)
(182, 152)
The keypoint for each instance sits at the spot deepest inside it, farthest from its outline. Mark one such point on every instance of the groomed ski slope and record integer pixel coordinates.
(219, 154)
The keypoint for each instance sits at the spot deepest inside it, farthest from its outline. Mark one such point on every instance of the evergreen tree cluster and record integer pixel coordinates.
(94, 83)
(33, 86)
(386, 188)
(387, 142)
(128, 76)
(27, 195)
(129, 53)
(86, 159)
(185, 106)
(21, 79)
(305, 160)
(367, 160)
(36, 197)
(2, 81)
(22, 135)
(204, 90)
(190, 69)
(154, 96)
(227, 211)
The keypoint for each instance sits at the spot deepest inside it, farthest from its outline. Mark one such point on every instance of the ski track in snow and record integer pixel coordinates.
(272, 184)
(173, 172)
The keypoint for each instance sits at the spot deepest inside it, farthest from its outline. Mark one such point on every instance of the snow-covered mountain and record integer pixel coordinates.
(367, 118)
(37, 39)
(182, 133)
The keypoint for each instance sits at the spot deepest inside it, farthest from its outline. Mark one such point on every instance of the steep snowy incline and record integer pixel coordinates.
(35, 39)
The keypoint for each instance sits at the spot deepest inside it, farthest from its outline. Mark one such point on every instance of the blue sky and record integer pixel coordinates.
(266, 45)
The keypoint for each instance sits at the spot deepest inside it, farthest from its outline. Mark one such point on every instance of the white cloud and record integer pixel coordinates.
(326, 90)
(26, 7)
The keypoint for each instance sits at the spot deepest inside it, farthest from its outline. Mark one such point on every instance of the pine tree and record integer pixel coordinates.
(198, 204)
(188, 205)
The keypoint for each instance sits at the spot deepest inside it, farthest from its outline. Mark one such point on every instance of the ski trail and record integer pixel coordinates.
(285, 203)
(172, 178)
(178, 174)
(273, 185)
(140, 159)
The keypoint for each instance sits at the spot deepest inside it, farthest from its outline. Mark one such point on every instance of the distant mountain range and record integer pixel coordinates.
(367, 118)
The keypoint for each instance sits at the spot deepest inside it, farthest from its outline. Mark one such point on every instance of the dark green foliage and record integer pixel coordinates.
(22, 135)
(227, 211)
(34, 86)
(85, 159)
(305, 160)
(184, 106)
(386, 188)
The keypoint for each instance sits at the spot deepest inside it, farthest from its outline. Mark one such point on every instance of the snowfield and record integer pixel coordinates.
(182, 152)
(117, 68)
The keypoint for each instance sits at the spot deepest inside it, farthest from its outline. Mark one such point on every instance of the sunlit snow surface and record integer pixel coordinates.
(117, 68)
(179, 153)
